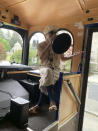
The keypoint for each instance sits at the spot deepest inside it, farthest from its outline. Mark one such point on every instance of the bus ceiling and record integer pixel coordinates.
(36, 14)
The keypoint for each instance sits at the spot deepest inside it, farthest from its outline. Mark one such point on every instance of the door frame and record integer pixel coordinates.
(89, 29)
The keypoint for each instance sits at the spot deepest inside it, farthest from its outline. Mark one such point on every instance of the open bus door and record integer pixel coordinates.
(88, 115)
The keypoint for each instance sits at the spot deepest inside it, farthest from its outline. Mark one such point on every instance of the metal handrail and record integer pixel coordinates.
(73, 91)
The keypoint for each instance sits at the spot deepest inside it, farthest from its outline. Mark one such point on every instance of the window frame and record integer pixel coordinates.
(22, 33)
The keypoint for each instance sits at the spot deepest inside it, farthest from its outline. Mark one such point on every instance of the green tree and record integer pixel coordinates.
(16, 56)
(7, 35)
(32, 56)
(2, 52)
(66, 67)
(10, 36)
(1, 34)
(15, 38)
(34, 44)
(5, 43)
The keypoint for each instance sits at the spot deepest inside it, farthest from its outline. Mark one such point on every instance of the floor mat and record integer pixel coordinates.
(36, 122)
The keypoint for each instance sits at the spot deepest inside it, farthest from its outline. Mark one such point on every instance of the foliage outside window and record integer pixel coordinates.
(10, 46)
(34, 41)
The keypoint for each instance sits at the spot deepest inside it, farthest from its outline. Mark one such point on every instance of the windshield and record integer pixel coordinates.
(11, 45)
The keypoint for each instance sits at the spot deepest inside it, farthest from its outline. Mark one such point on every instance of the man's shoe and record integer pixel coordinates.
(34, 109)
(53, 106)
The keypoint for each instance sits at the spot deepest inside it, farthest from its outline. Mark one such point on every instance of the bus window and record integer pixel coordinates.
(36, 38)
(66, 66)
(11, 45)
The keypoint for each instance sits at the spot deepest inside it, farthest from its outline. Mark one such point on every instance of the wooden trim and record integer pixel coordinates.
(9, 16)
(16, 72)
(14, 4)
(79, 5)
(71, 76)
(68, 105)
(51, 126)
(67, 118)
(33, 74)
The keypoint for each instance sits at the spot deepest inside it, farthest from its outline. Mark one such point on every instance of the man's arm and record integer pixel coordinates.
(42, 48)
(64, 58)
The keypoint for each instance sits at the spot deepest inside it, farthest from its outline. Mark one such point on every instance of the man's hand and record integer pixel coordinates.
(64, 58)
(78, 53)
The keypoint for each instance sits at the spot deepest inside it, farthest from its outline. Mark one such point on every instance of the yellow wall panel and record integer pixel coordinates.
(68, 104)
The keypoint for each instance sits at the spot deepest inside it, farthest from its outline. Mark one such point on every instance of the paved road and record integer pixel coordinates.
(90, 122)
(90, 118)
(93, 91)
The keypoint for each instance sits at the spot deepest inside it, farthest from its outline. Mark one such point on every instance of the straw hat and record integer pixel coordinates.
(49, 29)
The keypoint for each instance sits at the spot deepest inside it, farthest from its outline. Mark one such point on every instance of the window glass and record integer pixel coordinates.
(34, 41)
(66, 65)
(11, 45)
